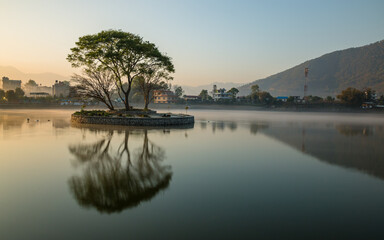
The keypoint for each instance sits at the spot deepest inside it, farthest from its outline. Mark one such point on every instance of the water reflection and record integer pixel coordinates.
(350, 146)
(114, 179)
(257, 126)
(355, 130)
(17, 119)
(233, 126)
(10, 122)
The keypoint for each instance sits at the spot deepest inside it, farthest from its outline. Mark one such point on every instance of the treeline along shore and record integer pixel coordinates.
(196, 106)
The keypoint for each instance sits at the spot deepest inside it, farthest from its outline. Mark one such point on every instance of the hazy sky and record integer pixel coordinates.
(226, 41)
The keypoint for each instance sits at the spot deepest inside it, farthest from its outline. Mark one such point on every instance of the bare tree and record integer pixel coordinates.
(153, 78)
(97, 84)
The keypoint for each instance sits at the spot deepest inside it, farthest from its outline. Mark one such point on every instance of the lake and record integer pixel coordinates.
(233, 175)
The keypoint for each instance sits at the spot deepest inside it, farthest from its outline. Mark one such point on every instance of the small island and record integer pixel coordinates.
(134, 117)
(113, 63)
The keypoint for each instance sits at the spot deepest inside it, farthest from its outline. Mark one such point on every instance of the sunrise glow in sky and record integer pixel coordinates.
(225, 41)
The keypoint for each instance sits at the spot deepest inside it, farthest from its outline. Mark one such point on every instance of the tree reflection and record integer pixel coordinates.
(114, 179)
(255, 127)
(355, 130)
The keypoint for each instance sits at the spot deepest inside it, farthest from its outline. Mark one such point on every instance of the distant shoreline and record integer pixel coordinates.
(296, 108)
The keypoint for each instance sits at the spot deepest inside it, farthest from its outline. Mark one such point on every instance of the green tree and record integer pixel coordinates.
(153, 78)
(291, 99)
(351, 96)
(10, 96)
(2, 94)
(178, 90)
(314, 99)
(204, 95)
(234, 92)
(329, 99)
(255, 90)
(381, 100)
(265, 97)
(123, 53)
(31, 84)
(19, 93)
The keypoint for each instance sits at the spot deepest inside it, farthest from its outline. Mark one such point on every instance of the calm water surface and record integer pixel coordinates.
(233, 175)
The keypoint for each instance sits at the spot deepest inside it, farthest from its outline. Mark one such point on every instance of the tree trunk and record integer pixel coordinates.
(146, 100)
(110, 102)
(126, 94)
(126, 101)
(146, 103)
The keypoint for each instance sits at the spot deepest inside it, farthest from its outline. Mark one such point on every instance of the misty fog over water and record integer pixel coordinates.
(234, 174)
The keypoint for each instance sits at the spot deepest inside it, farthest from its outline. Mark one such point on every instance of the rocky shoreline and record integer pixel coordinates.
(131, 118)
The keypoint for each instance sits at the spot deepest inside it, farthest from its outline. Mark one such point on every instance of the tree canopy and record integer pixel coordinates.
(125, 54)
(31, 84)
(178, 90)
(351, 96)
(204, 95)
(153, 78)
(233, 91)
(10, 96)
(2, 94)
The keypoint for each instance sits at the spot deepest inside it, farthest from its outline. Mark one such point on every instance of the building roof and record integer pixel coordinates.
(39, 93)
(192, 96)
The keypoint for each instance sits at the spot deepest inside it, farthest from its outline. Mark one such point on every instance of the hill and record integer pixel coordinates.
(329, 74)
(41, 78)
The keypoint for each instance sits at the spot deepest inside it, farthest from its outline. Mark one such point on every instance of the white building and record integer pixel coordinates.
(60, 89)
(11, 84)
(220, 94)
(38, 91)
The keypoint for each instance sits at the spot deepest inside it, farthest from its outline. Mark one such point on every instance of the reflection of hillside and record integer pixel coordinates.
(114, 179)
(350, 146)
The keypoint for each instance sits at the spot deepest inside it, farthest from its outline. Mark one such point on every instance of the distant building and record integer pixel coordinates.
(164, 96)
(10, 84)
(297, 99)
(220, 94)
(282, 98)
(192, 98)
(38, 89)
(38, 94)
(60, 89)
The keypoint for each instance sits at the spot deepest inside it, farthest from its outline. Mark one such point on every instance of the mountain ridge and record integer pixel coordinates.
(330, 73)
